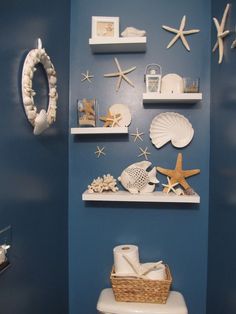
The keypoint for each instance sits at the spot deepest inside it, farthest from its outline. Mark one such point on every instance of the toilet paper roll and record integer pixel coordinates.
(126, 259)
(156, 274)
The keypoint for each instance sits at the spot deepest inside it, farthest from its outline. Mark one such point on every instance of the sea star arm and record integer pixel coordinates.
(167, 172)
(171, 43)
(189, 173)
(223, 21)
(129, 70)
(184, 41)
(182, 24)
(111, 74)
(170, 29)
(118, 65)
(191, 31)
(127, 80)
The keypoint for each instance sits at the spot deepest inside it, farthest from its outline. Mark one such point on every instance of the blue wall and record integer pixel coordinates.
(34, 170)
(222, 231)
(175, 233)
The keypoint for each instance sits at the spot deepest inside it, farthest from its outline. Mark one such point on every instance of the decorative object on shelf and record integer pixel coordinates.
(171, 126)
(221, 33)
(3, 253)
(152, 78)
(111, 120)
(144, 152)
(170, 186)
(87, 77)
(135, 178)
(191, 85)
(87, 112)
(42, 120)
(179, 175)
(100, 151)
(106, 183)
(179, 192)
(133, 32)
(123, 110)
(105, 27)
(172, 84)
(137, 135)
(121, 74)
(180, 33)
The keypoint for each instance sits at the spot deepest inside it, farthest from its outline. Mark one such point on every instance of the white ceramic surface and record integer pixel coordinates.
(172, 84)
(125, 114)
(171, 126)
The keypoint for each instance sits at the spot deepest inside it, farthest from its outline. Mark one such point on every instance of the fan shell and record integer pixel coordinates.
(171, 126)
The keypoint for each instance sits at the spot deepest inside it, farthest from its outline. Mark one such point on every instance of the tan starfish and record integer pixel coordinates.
(221, 33)
(111, 120)
(170, 186)
(178, 174)
(86, 77)
(180, 33)
(88, 107)
(144, 153)
(100, 151)
(137, 135)
(121, 74)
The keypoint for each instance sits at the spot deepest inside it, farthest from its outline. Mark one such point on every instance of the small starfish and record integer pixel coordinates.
(180, 33)
(100, 151)
(170, 186)
(178, 174)
(121, 74)
(144, 152)
(87, 77)
(111, 120)
(137, 135)
(221, 34)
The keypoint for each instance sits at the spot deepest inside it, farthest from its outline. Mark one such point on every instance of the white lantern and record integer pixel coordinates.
(152, 78)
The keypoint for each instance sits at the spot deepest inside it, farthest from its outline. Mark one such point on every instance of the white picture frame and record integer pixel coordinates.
(105, 27)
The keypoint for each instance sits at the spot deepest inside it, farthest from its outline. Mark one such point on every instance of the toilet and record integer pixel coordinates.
(108, 305)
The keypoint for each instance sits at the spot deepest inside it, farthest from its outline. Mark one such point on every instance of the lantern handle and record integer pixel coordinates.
(153, 64)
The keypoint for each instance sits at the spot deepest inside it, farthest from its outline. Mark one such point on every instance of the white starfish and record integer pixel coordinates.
(121, 74)
(144, 152)
(180, 33)
(87, 77)
(137, 135)
(170, 186)
(221, 33)
(100, 151)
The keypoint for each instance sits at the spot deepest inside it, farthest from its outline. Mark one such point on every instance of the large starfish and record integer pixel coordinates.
(111, 120)
(178, 175)
(180, 33)
(221, 33)
(121, 74)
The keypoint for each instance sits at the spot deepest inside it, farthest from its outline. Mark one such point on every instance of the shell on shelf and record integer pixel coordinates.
(172, 84)
(124, 111)
(171, 126)
(133, 32)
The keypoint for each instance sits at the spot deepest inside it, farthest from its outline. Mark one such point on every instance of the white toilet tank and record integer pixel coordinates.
(108, 305)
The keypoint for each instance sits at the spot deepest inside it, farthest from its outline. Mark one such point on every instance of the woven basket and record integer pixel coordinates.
(131, 289)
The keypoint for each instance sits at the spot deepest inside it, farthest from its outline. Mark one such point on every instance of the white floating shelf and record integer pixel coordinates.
(172, 98)
(120, 44)
(100, 130)
(155, 197)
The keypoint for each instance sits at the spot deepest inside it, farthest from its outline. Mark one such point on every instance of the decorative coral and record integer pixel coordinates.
(106, 183)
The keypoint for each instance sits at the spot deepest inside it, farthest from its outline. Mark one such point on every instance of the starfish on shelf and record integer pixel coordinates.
(144, 153)
(121, 74)
(88, 106)
(137, 135)
(100, 151)
(111, 120)
(180, 33)
(170, 186)
(86, 77)
(178, 175)
(221, 33)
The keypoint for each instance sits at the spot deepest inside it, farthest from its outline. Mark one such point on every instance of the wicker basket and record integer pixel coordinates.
(131, 289)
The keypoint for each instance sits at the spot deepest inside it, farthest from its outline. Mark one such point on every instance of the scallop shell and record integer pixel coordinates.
(125, 114)
(171, 126)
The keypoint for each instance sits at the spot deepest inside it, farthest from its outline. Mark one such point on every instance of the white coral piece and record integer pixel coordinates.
(106, 183)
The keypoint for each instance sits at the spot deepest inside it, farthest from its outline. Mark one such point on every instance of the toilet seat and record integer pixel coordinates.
(107, 304)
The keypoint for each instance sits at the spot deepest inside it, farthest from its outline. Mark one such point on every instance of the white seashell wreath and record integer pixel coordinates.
(43, 119)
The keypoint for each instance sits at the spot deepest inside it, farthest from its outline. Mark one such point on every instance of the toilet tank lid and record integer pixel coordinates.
(107, 304)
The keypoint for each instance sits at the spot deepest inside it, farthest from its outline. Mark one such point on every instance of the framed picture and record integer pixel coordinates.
(105, 27)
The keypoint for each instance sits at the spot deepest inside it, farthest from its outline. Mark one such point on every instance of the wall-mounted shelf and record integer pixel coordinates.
(155, 197)
(120, 44)
(172, 98)
(100, 130)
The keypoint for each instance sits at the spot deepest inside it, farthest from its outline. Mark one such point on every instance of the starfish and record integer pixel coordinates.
(170, 186)
(87, 77)
(144, 152)
(111, 120)
(100, 151)
(121, 74)
(180, 33)
(178, 174)
(221, 34)
(137, 135)
(88, 108)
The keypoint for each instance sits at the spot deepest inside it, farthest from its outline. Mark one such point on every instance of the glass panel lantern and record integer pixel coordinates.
(87, 112)
(152, 78)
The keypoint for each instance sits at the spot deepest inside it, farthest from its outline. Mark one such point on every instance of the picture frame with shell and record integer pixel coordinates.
(105, 27)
